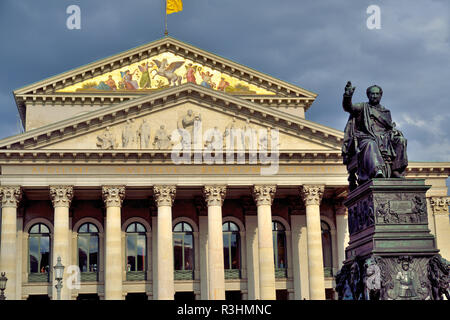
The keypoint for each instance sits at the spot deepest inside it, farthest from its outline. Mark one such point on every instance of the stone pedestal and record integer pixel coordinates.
(391, 253)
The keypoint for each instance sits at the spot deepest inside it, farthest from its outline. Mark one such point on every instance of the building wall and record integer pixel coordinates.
(39, 115)
(183, 209)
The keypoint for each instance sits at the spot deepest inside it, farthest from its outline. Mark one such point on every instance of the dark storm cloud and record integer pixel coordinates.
(317, 45)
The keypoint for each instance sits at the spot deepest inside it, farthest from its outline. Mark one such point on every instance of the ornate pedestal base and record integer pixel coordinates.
(391, 254)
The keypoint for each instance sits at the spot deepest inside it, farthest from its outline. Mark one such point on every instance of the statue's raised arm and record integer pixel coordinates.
(347, 99)
(349, 89)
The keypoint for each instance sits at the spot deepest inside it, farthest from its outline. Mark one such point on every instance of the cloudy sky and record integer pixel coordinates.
(317, 44)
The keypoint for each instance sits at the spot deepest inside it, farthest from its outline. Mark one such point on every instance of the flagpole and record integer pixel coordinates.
(165, 20)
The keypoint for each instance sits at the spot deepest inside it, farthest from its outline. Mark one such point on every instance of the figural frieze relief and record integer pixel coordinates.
(188, 130)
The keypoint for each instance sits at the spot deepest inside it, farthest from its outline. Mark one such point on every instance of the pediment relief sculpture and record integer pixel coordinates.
(162, 139)
(236, 135)
(188, 125)
(144, 134)
(163, 71)
(106, 140)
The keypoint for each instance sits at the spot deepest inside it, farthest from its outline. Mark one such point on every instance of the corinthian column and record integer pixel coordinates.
(61, 198)
(214, 196)
(164, 197)
(312, 195)
(439, 206)
(263, 196)
(113, 197)
(10, 197)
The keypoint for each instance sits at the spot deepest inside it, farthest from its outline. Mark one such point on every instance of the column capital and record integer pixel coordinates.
(61, 195)
(164, 195)
(10, 196)
(113, 195)
(214, 195)
(439, 205)
(312, 194)
(264, 194)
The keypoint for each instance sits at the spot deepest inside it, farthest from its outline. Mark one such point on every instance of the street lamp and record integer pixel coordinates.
(3, 280)
(59, 271)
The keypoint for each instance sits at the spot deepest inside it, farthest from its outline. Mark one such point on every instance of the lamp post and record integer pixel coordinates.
(3, 280)
(59, 272)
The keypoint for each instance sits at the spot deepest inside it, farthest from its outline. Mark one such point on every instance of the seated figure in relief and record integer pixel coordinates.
(106, 140)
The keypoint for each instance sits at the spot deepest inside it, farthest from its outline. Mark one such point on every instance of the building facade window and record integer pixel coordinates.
(39, 253)
(279, 249)
(183, 247)
(327, 249)
(88, 251)
(231, 250)
(136, 251)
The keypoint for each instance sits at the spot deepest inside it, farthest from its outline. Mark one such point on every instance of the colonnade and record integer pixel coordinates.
(164, 196)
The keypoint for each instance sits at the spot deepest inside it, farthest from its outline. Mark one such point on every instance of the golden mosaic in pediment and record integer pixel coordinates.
(162, 71)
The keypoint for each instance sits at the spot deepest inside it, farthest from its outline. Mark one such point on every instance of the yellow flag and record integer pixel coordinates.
(174, 6)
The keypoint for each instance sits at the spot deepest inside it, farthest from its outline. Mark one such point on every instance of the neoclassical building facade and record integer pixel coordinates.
(106, 177)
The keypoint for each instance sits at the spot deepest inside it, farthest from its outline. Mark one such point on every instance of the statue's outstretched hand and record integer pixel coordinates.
(349, 89)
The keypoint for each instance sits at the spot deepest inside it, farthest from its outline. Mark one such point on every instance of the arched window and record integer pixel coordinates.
(39, 253)
(88, 251)
(279, 249)
(326, 249)
(136, 251)
(231, 250)
(183, 247)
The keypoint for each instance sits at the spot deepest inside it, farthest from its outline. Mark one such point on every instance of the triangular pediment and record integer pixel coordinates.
(208, 69)
(109, 128)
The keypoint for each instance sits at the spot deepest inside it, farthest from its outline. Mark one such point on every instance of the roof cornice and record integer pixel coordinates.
(103, 99)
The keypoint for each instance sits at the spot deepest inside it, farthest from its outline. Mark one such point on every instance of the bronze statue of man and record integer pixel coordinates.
(371, 139)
